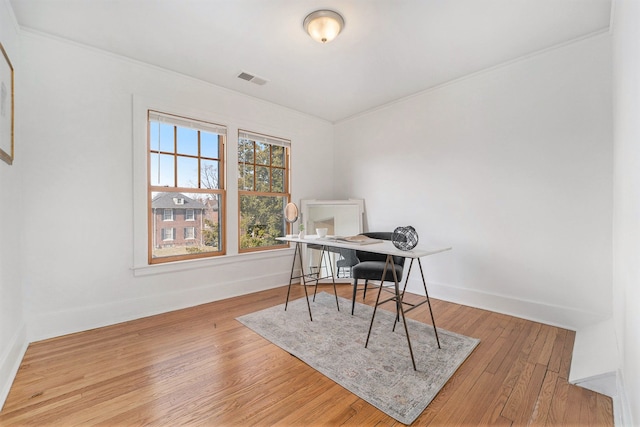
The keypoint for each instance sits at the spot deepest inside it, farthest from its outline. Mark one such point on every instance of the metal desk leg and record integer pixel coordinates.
(433, 321)
(399, 308)
(399, 305)
(375, 306)
(333, 279)
(298, 251)
(404, 288)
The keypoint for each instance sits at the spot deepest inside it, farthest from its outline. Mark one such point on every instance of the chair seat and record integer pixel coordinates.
(371, 266)
(372, 270)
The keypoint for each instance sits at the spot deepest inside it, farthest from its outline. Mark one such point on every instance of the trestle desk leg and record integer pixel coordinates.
(298, 251)
(315, 288)
(399, 305)
(433, 321)
(293, 264)
(375, 306)
(304, 281)
(404, 288)
(333, 279)
(330, 270)
(399, 308)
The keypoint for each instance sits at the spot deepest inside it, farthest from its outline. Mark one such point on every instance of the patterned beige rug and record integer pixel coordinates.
(382, 373)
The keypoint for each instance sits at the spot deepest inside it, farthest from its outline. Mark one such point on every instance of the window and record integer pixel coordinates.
(189, 233)
(168, 234)
(186, 183)
(263, 190)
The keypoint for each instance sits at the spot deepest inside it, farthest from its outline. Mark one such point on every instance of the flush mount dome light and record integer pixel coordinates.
(323, 25)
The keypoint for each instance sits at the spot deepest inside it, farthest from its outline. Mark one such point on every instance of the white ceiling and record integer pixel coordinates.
(388, 49)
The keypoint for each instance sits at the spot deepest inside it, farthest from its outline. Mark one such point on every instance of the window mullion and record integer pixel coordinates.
(175, 156)
(255, 167)
(270, 166)
(200, 160)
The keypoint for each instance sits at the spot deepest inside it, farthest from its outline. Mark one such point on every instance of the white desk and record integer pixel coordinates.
(384, 247)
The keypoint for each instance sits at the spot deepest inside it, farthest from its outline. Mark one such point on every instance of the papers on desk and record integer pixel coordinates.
(359, 239)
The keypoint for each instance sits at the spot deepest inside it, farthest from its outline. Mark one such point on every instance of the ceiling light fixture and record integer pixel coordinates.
(323, 25)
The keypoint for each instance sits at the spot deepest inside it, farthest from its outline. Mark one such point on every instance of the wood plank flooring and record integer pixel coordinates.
(199, 366)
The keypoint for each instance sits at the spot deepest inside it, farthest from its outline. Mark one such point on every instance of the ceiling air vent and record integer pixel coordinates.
(252, 78)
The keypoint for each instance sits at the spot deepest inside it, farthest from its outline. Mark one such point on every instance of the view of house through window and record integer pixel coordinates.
(263, 190)
(186, 188)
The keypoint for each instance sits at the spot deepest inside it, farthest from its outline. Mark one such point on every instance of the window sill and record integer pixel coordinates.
(177, 266)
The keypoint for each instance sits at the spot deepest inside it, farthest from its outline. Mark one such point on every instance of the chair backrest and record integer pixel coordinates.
(348, 257)
(371, 256)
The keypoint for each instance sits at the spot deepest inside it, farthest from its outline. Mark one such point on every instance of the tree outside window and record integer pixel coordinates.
(263, 187)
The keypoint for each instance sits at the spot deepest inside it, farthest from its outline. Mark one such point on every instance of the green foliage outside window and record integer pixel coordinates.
(261, 221)
(263, 187)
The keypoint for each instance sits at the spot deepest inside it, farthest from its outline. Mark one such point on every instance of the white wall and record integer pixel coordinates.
(13, 340)
(82, 177)
(513, 168)
(626, 225)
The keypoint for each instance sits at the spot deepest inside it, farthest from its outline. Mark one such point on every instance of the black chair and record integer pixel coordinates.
(347, 260)
(371, 267)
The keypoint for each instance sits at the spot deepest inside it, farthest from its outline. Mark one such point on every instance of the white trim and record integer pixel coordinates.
(621, 405)
(52, 324)
(10, 361)
(140, 110)
(272, 140)
(186, 122)
(595, 358)
(555, 315)
(140, 107)
(193, 264)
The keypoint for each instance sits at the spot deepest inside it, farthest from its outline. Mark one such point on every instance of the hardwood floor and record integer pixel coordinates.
(200, 366)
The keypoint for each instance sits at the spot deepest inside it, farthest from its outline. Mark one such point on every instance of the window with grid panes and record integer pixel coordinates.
(168, 233)
(263, 190)
(186, 186)
(189, 232)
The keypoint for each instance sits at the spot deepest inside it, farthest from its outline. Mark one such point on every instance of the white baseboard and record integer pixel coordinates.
(621, 405)
(554, 315)
(53, 324)
(602, 383)
(594, 363)
(10, 361)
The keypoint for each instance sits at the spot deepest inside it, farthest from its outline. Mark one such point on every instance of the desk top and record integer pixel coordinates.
(384, 247)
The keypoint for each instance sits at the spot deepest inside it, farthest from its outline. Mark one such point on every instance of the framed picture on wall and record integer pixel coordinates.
(6, 107)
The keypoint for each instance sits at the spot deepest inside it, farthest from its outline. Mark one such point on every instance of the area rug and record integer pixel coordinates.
(382, 373)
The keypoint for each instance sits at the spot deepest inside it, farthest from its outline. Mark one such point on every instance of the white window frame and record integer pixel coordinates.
(191, 235)
(140, 266)
(164, 234)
